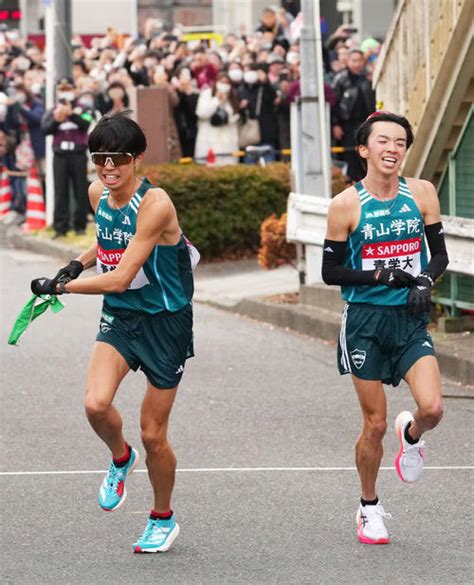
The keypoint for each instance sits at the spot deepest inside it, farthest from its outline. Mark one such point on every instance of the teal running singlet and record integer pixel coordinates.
(164, 282)
(390, 234)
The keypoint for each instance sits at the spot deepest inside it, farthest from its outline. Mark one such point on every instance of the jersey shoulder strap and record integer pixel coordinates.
(359, 187)
(105, 194)
(136, 200)
(362, 192)
(403, 187)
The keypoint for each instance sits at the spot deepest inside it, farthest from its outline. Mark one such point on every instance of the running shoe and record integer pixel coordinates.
(370, 526)
(159, 535)
(112, 493)
(409, 460)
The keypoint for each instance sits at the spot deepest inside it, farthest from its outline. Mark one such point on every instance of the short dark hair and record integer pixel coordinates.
(364, 130)
(117, 133)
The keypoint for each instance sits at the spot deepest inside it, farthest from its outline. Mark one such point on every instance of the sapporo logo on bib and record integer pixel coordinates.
(108, 260)
(403, 254)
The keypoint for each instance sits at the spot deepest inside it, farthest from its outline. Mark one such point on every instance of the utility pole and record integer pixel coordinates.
(310, 141)
(315, 149)
(23, 5)
(62, 38)
(58, 64)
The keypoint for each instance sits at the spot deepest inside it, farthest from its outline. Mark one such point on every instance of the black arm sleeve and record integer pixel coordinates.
(333, 271)
(437, 245)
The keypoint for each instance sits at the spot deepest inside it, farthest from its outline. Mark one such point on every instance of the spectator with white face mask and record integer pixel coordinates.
(218, 116)
(258, 100)
(236, 74)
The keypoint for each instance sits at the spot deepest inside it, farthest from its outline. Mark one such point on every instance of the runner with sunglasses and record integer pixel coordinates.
(375, 250)
(144, 266)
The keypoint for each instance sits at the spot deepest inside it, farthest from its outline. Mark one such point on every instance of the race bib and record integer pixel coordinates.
(403, 254)
(108, 260)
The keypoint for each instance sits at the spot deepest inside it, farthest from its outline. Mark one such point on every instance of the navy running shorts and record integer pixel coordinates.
(381, 342)
(158, 344)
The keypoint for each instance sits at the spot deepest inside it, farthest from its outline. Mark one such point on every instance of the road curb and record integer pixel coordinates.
(324, 324)
(15, 238)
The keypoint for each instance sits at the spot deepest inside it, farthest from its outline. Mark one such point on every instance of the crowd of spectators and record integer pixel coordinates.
(221, 97)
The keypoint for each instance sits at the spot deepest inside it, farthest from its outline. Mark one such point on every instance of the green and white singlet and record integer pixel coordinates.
(389, 235)
(164, 282)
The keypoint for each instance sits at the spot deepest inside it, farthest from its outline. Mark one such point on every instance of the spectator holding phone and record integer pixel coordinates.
(218, 116)
(355, 100)
(69, 123)
(185, 112)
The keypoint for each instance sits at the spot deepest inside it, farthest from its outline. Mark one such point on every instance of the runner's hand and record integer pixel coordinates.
(69, 272)
(419, 297)
(396, 278)
(44, 286)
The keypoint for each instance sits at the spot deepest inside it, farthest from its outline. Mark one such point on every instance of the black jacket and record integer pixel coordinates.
(268, 119)
(355, 99)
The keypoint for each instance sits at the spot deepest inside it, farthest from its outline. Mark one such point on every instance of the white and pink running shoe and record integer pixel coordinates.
(410, 458)
(370, 526)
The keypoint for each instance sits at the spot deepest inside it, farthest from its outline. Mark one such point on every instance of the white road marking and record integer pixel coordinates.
(232, 469)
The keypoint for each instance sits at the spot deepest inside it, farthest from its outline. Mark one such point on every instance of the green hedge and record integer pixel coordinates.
(221, 208)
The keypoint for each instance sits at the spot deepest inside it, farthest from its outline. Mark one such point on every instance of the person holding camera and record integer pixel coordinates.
(69, 122)
(258, 100)
(355, 100)
(218, 116)
(185, 112)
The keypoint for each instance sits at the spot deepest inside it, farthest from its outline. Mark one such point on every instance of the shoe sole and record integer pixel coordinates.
(363, 539)
(398, 430)
(163, 548)
(124, 496)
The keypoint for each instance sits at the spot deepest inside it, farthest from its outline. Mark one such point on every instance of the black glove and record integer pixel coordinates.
(419, 297)
(69, 272)
(44, 286)
(394, 278)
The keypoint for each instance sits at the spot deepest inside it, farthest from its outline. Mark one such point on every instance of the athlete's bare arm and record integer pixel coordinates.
(156, 223)
(343, 215)
(88, 257)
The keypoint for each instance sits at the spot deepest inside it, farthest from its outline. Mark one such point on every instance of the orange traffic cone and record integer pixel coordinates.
(35, 207)
(211, 158)
(6, 195)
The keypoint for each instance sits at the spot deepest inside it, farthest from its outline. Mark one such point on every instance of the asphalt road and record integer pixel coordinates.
(266, 492)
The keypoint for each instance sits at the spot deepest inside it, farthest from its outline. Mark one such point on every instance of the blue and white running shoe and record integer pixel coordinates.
(159, 535)
(112, 493)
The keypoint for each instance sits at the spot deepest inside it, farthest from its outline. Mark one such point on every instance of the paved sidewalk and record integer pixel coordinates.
(226, 284)
(244, 288)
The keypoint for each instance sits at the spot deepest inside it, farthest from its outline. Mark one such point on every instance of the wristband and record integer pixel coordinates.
(427, 276)
(62, 288)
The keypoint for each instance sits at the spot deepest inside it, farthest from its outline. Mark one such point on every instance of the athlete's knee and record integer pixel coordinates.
(432, 412)
(95, 408)
(154, 438)
(375, 429)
